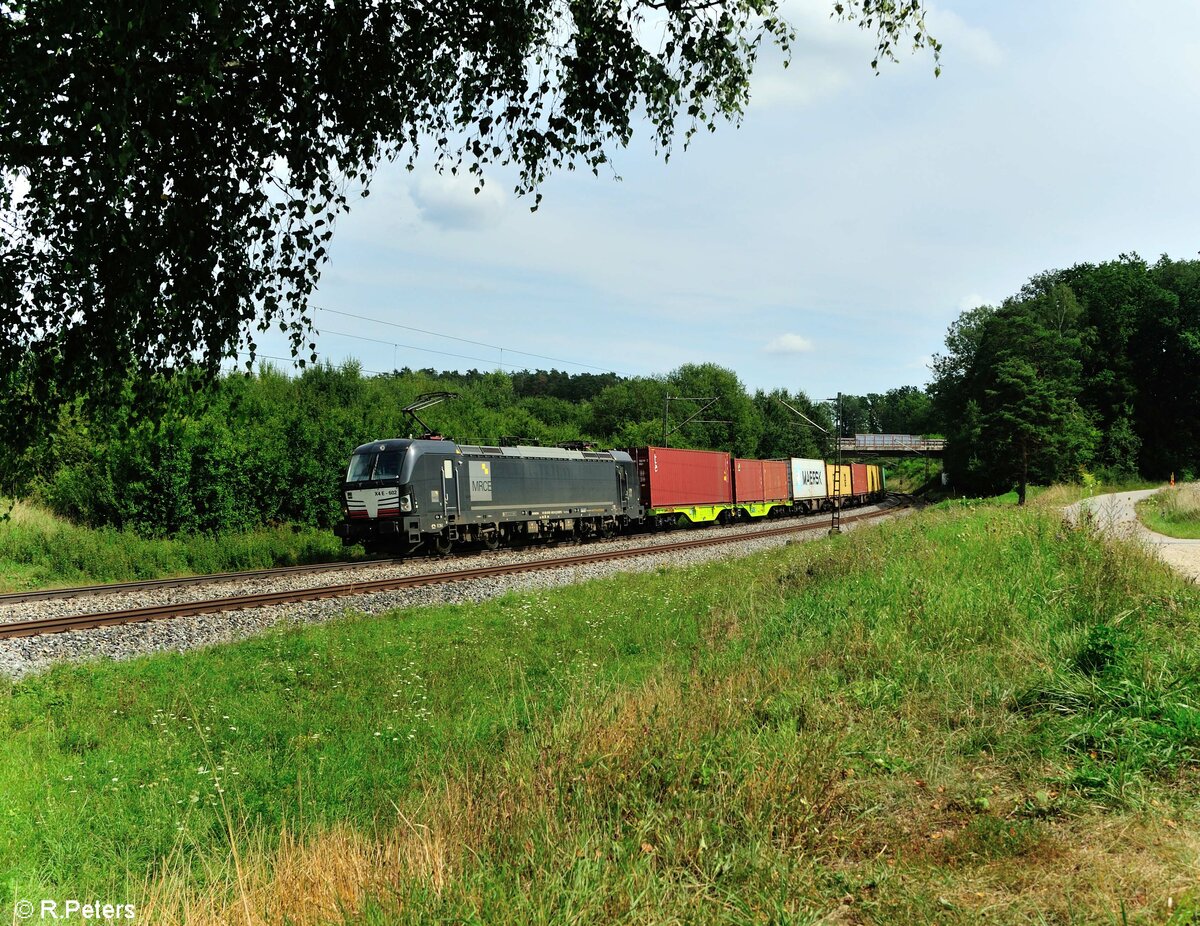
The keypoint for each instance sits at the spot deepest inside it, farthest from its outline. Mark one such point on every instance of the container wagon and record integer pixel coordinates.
(776, 484)
(759, 486)
(694, 485)
(875, 481)
(839, 486)
(808, 484)
(860, 488)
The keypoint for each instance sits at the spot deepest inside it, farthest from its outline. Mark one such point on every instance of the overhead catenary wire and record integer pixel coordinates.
(396, 345)
(444, 353)
(295, 361)
(453, 337)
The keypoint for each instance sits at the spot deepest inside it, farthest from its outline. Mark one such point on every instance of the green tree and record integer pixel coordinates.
(1122, 446)
(1029, 418)
(629, 413)
(786, 434)
(170, 173)
(1014, 380)
(736, 425)
(956, 394)
(1140, 336)
(857, 415)
(905, 410)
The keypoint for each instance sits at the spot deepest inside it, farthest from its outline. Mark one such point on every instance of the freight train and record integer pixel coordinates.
(406, 494)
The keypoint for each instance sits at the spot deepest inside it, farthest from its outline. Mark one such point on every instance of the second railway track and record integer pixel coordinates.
(141, 585)
(41, 626)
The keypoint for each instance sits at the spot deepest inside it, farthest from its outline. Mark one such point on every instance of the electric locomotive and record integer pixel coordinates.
(402, 493)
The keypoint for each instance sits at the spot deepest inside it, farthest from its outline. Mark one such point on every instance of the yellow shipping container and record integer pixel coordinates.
(843, 482)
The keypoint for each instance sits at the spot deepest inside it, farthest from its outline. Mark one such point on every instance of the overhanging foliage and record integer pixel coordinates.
(170, 172)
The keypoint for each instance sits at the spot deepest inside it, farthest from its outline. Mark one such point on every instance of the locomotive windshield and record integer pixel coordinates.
(360, 467)
(387, 465)
(366, 467)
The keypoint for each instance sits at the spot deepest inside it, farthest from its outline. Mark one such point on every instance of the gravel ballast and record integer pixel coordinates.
(21, 656)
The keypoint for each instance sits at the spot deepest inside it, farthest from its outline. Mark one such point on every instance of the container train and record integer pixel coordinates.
(404, 494)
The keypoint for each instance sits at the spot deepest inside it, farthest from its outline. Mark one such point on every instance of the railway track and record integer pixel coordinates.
(40, 626)
(116, 588)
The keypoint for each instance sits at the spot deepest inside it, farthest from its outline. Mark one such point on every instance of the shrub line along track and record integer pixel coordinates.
(266, 599)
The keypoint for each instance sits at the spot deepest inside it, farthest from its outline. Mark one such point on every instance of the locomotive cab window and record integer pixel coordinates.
(388, 465)
(360, 467)
(366, 467)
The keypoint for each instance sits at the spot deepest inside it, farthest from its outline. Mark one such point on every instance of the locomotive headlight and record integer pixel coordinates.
(406, 503)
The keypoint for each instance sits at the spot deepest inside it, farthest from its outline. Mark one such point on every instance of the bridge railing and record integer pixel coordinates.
(895, 443)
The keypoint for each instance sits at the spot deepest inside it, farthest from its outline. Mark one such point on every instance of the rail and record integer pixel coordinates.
(40, 626)
(116, 588)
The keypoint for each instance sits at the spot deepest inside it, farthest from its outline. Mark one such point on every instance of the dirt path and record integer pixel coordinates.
(1116, 515)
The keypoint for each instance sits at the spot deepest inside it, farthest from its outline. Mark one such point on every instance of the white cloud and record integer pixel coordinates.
(960, 38)
(830, 55)
(789, 344)
(450, 201)
(800, 85)
(826, 56)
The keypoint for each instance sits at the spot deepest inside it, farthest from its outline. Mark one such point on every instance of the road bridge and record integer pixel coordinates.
(891, 445)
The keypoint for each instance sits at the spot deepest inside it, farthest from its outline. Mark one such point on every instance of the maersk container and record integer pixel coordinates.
(808, 480)
(775, 480)
(859, 481)
(672, 478)
(748, 481)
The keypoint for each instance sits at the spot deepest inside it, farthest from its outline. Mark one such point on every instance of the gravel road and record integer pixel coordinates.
(1115, 514)
(24, 655)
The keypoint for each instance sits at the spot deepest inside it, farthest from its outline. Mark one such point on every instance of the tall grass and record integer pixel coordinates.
(973, 715)
(38, 549)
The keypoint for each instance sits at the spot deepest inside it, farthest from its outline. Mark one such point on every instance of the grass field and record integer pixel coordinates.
(40, 550)
(1174, 512)
(967, 716)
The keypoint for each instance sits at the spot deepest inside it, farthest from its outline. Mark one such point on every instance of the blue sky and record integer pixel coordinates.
(828, 242)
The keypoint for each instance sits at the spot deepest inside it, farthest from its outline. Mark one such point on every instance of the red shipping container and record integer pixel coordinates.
(672, 478)
(858, 479)
(748, 481)
(775, 480)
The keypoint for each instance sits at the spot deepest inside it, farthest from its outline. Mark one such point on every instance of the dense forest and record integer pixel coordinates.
(1090, 369)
